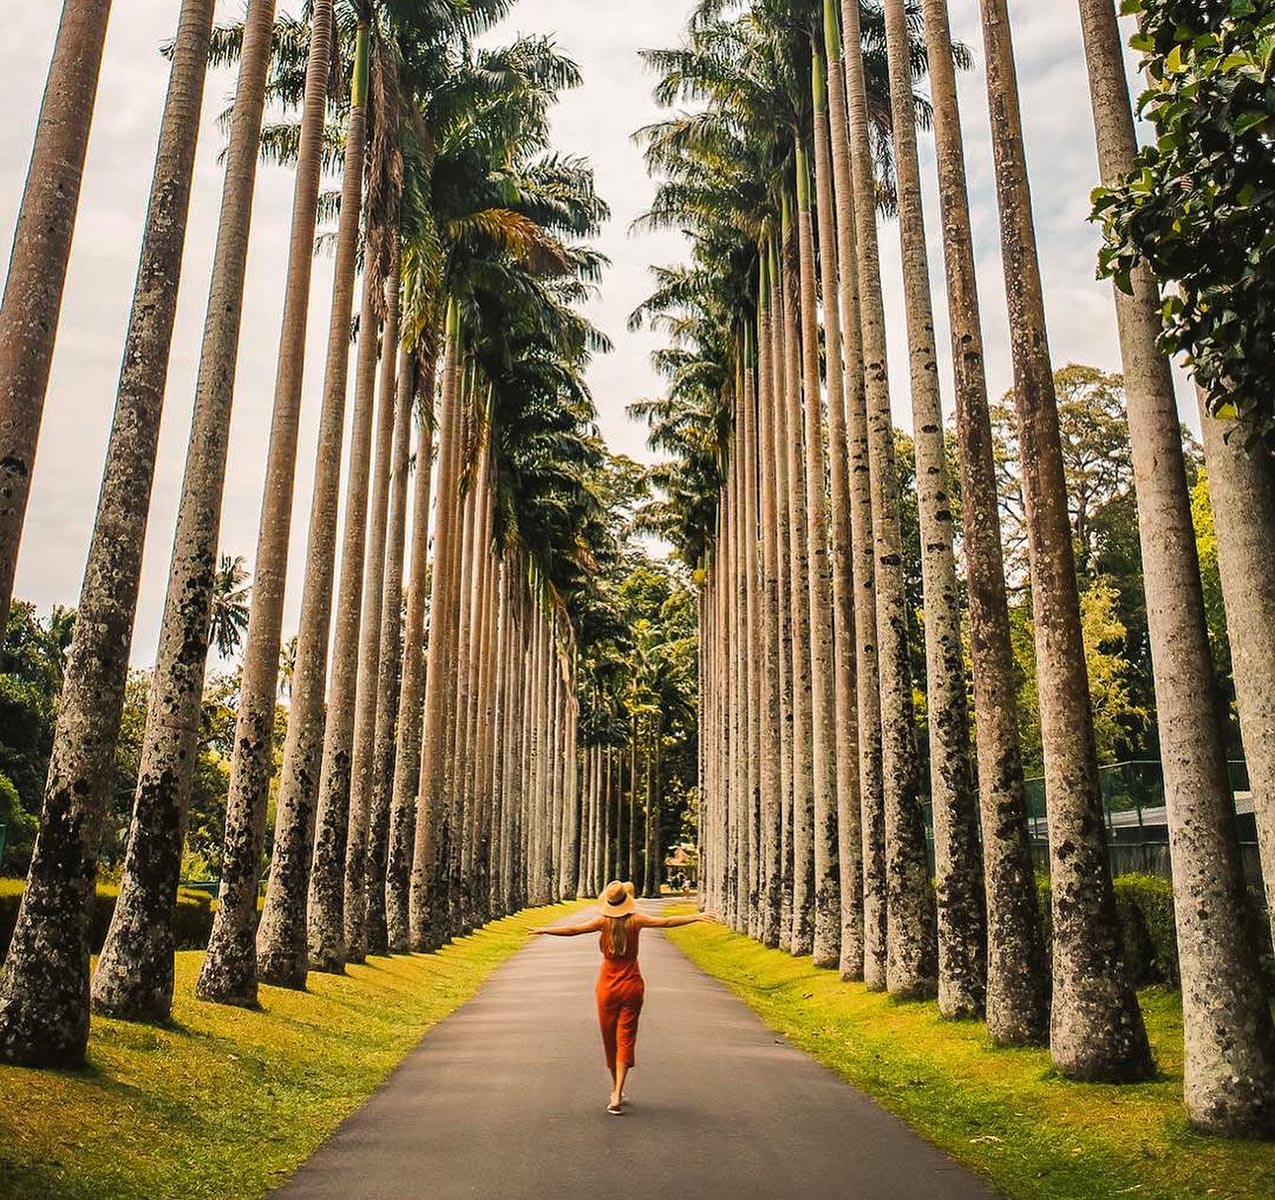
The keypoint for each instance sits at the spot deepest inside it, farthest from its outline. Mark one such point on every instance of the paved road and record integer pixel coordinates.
(505, 1100)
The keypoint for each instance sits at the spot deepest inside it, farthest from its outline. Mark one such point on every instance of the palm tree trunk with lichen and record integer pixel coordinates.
(252, 760)
(38, 263)
(325, 931)
(282, 957)
(389, 850)
(826, 944)
(379, 636)
(1229, 1075)
(911, 957)
(1017, 1004)
(870, 965)
(803, 803)
(1097, 1031)
(849, 812)
(962, 923)
(424, 908)
(772, 702)
(44, 989)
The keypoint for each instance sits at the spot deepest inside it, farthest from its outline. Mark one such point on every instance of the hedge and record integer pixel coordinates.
(1144, 904)
(193, 922)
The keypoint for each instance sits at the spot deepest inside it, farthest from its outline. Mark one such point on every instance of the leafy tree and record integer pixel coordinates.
(1199, 207)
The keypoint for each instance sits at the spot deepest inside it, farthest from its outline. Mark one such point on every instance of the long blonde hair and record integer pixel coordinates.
(618, 936)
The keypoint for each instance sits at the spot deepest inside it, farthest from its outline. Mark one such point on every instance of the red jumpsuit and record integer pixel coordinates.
(620, 992)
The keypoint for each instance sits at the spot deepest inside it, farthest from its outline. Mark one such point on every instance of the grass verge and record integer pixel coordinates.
(1004, 1113)
(224, 1101)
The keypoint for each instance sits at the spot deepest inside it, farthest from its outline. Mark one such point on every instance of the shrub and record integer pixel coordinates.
(192, 921)
(1144, 904)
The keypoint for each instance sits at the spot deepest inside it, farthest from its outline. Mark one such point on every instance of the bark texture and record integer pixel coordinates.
(911, 959)
(962, 930)
(281, 935)
(1229, 1075)
(251, 766)
(37, 266)
(1017, 998)
(1097, 1031)
(44, 986)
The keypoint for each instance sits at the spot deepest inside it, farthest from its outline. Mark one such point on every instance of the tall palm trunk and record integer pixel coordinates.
(823, 666)
(871, 966)
(803, 800)
(962, 924)
(281, 935)
(1242, 492)
(785, 532)
(1097, 1031)
(325, 930)
(751, 642)
(378, 648)
(37, 266)
(172, 723)
(846, 748)
(44, 987)
(1229, 1076)
(1017, 969)
(423, 908)
(911, 961)
(772, 731)
(389, 848)
(252, 759)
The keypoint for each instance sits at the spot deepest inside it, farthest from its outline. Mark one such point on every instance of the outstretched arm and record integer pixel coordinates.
(674, 922)
(568, 930)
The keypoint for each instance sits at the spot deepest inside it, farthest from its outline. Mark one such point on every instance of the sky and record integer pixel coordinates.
(596, 121)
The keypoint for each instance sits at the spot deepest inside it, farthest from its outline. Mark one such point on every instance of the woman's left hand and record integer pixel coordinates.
(537, 932)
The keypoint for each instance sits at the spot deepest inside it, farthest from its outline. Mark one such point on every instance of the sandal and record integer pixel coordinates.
(616, 1110)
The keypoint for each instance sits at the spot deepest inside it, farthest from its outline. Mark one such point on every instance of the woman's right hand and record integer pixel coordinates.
(710, 917)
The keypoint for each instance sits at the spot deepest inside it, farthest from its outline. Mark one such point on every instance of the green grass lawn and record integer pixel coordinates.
(1004, 1113)
(227, 1102)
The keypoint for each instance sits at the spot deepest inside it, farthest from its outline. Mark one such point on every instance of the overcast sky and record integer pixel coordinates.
(596, 121)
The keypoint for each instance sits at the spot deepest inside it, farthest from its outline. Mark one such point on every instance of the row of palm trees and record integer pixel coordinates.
(429, 774)
(800, 128)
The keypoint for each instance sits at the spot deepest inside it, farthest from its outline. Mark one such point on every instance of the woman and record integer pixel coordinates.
(620, 989)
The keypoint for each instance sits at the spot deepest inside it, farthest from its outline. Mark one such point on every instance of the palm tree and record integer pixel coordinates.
(962, 936)
(1230, 1040)
(849, 814)
(1096, 1026)
(1017, 1002)
(230, 605)
(37, 268)
(911, 966)
(390, 853)
(827, 871)
(252, 759)
(44, 1017)
(281, 934)
(153, 862)
(379, 636)
(1242, 495)
(870, 964)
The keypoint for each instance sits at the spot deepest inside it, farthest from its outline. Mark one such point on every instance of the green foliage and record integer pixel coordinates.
(1148, 934)
(20, 829)
(1199, 207)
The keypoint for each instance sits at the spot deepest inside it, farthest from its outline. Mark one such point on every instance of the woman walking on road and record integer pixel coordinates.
(620, 989)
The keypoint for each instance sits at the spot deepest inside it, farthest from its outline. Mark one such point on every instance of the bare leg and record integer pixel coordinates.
(618, 1076)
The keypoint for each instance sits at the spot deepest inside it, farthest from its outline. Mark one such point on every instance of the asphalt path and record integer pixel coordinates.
(507, 1099)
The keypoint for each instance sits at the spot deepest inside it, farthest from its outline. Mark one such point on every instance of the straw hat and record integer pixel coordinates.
(617, 899)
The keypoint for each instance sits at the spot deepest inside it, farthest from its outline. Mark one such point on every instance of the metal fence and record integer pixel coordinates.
(1137, 822)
